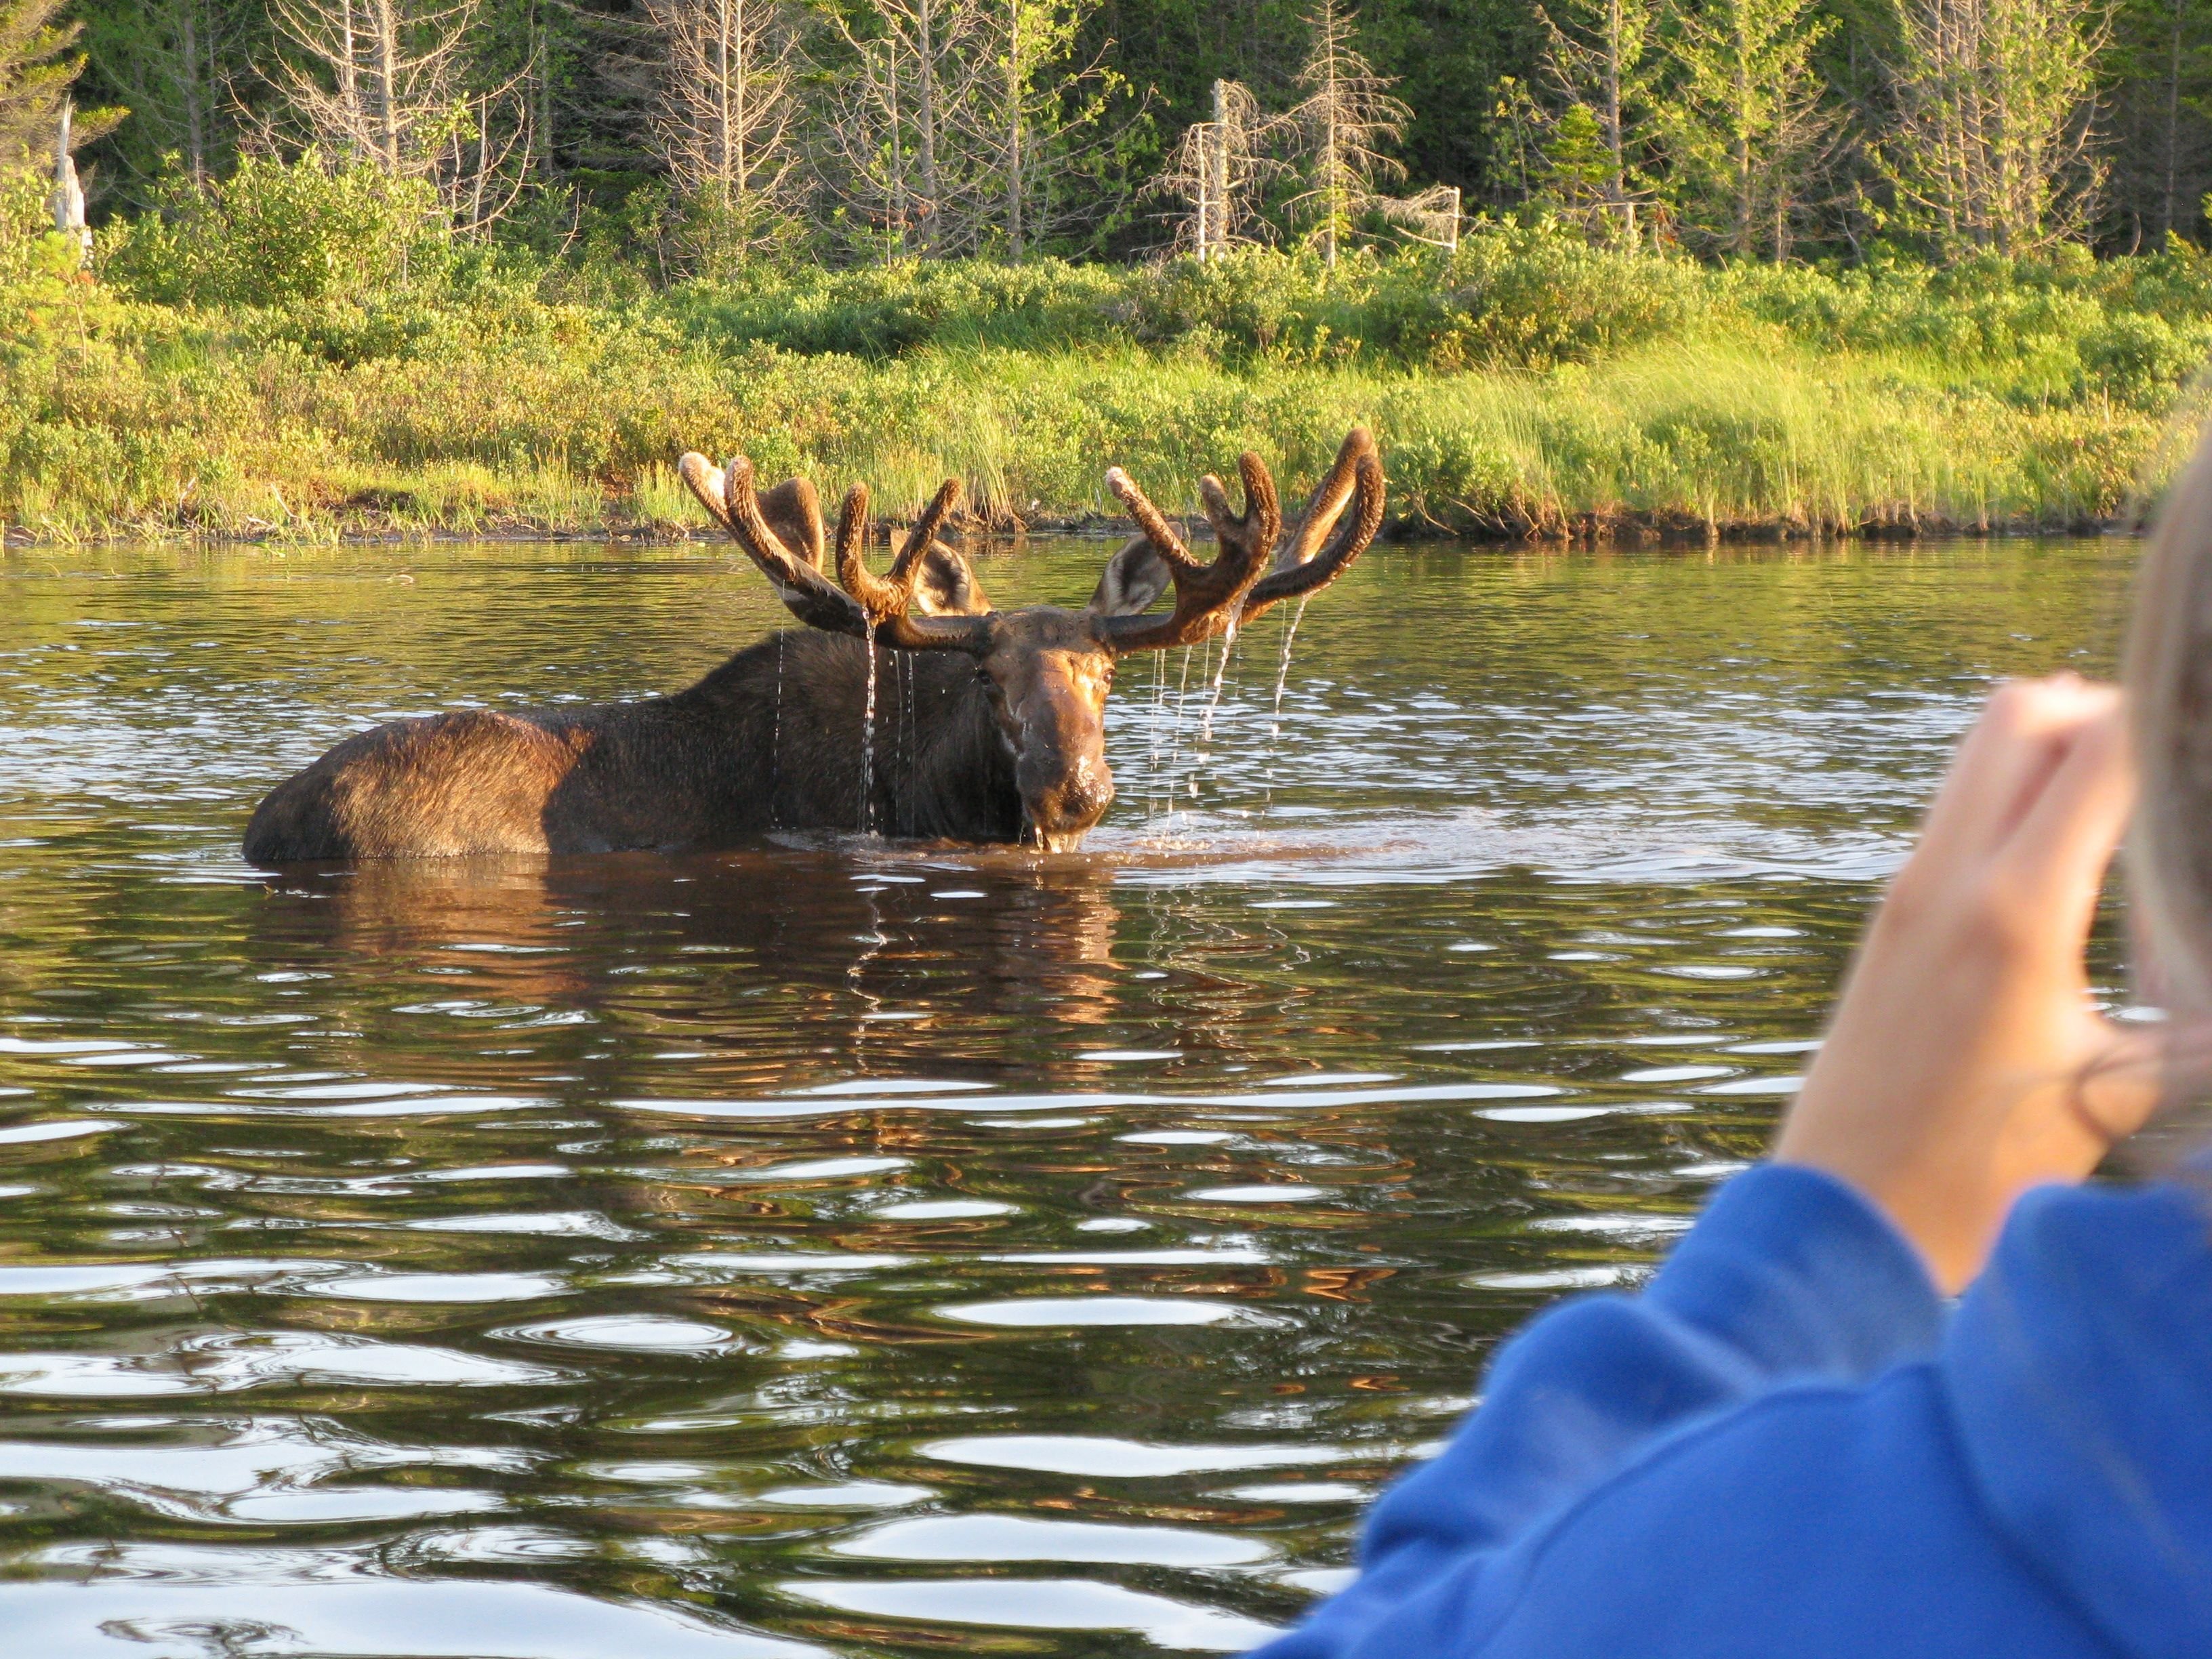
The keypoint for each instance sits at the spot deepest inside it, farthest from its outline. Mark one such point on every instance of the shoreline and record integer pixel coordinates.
(1586, 531)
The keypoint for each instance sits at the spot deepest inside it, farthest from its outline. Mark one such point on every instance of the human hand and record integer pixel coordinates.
(1965, 1063)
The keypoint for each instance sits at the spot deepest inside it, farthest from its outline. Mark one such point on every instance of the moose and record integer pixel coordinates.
(989, 725)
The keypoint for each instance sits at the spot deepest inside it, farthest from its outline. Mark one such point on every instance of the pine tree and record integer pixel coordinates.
(1345, 120)
(37, 69)
(2160, 137)
(1747, 121)
(1597, 60)
(1990, 147)
(176, 63)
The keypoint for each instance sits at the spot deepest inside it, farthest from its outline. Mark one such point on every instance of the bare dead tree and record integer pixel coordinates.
(1215, 174)
(894, 117)
(1991, 144)
(723, 120)
(955, 127)
(1343, 124)
(389, 82)
(67, 200)
(1433, 215)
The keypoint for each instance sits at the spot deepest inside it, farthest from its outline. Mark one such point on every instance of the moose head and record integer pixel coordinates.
(1047, 671)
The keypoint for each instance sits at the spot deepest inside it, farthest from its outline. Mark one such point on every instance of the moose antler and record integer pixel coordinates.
(1304, 565)
(1208, 597)
(866, 606)
(889, 595)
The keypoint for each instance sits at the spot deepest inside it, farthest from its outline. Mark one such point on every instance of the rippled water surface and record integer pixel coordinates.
(861, 1249)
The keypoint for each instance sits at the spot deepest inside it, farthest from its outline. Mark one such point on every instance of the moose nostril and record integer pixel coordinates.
(1074, 800)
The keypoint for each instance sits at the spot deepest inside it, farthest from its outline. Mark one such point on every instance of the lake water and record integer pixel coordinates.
(857, 1249)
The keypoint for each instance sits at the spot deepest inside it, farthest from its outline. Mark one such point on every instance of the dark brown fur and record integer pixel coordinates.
(710, 766)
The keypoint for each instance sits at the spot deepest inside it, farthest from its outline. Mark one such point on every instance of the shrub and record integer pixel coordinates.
(2141, 359)
(277, 232)
(48, 302)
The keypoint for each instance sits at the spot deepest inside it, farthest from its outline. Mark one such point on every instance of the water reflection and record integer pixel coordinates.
(842, 1247)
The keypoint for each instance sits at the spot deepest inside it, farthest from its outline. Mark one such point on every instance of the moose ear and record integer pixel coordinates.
(791, 511)
(943, 586)
(1134, 577)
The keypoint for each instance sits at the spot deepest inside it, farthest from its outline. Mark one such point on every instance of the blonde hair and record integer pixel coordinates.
(2167, 668)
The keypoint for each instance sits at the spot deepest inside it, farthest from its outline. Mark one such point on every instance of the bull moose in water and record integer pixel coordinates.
(996, 718)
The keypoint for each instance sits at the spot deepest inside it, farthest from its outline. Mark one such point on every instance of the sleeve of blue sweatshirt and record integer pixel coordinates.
(1788, 1276)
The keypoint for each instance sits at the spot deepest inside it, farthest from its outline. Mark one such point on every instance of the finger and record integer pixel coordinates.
(2004, 762)
(2123, 1081)
(2058, 855)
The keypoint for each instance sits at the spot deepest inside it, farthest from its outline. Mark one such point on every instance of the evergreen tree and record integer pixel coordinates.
(1598, 59)
(37, 68)
(1747, 121)
(1990, 144)
(2159, 136)
(176, 63)
(1343, 122)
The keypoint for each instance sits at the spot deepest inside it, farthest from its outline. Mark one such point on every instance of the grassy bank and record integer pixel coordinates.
(1531, 386)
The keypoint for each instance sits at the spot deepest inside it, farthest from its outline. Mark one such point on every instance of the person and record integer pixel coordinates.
(1795, 1444)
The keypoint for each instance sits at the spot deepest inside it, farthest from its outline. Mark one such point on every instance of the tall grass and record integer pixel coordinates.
(1532, 386)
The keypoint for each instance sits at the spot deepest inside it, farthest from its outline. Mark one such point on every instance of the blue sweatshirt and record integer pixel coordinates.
(1786, 1448)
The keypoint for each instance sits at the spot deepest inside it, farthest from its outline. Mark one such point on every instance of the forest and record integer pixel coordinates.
(697, 135)
(1657, 266)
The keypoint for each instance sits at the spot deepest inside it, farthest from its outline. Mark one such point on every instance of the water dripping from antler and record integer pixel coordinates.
(1174, 732)
(1152, 728)
(868, 726)
(1213, 692)
(775, 741)
(1210, 673)
(1282, 679)
(910, 817)
(1283, 666)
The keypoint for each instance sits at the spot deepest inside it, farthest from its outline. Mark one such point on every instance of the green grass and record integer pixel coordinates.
(1534, 387)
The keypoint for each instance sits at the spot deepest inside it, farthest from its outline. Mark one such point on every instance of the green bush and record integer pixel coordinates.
(306, 350)
(278, 233)
(50, 306)
(2141, 359)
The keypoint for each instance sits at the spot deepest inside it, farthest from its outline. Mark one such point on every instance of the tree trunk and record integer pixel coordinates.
(1016, 92)
(926, 125)
(195, 127)
(2172, 119)
(386, 85)
(898, 151)
(1745, 207)
(1218, 151)
(721, 138)
(1616, 185)
(1332, 177)
(349, 81)
(541, 39)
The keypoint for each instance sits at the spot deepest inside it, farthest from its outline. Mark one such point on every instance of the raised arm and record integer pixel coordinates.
(1965, 1063)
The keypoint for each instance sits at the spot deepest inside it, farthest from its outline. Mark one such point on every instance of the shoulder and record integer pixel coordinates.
(1819, 1520)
